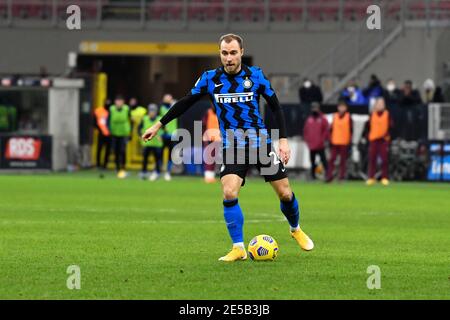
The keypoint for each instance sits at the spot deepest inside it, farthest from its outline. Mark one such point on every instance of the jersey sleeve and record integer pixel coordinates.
(265, 88)
(201, 86)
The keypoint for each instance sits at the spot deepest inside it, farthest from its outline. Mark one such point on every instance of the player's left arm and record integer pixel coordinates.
(181, 106)
(266, 90)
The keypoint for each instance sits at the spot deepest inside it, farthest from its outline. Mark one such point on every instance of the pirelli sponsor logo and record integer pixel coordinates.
(233, 97)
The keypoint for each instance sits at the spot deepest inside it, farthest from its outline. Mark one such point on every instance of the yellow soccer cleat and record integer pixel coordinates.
(303, 240)
(122, 174)
(237, 253)
(370, 182)
(385, 182)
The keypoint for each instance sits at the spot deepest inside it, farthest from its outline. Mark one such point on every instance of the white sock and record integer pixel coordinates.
(295, 229)
(209, 174)
(239, 244)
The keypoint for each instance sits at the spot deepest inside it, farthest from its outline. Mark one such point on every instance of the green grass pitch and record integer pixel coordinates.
(136, 239)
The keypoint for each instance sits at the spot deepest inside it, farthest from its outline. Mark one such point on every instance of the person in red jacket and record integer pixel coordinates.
(341, 138)
(378, 128)
(316, 133)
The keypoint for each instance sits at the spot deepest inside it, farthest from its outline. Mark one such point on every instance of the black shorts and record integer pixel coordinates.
(239, 161)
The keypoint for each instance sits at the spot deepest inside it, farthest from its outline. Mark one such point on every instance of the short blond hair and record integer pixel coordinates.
(230, 37)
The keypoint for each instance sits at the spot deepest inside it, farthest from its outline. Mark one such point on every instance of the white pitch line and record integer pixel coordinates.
(12, 222)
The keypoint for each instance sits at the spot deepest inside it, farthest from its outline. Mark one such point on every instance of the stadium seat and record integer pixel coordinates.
(440, 9)
(43, 9)
(197, 10)
(444, 10)
(393, 10)
(3, 9)
(286, 10)
(31, 9)
(165, 10)
(356, 9)
(88, 8)
(321, 10)
(417, 9)
(247, 10)
(206, 10)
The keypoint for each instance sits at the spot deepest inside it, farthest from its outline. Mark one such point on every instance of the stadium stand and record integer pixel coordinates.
(43, 9)
(165, 10)
(234, 10)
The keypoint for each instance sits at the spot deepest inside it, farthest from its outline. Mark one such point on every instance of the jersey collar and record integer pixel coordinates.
(243, 67)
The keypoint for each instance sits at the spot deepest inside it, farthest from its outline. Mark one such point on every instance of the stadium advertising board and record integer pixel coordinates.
(439, 168)
(25, 152)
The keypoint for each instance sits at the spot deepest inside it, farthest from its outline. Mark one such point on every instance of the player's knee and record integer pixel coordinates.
(229, 193)
(286, 195)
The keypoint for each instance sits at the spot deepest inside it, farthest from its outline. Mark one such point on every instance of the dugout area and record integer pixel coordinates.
(145, 71)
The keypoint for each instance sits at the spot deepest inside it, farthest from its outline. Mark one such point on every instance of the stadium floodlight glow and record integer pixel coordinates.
(6, 82)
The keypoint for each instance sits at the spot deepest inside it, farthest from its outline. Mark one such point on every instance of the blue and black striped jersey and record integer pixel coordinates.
(236, 101)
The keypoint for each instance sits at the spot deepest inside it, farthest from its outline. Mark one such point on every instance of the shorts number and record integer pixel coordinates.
(276, 160)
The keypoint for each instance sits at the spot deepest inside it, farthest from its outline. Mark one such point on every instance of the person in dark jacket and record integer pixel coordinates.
(410, 102)
(373, 91)
(392, 96)
(316, 133)
(308, 93)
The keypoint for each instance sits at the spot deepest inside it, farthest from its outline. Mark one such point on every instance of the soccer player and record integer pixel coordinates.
(151, 147)
(379, 128)
(235, 90)
(341, 138)
(316, 134)
(169, 131)
(119, 122)
(101, 115)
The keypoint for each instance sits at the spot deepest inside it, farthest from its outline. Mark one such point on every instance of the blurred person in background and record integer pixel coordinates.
(340, 137)
(119, 122)
(392, 99)
(151, 147)
(432, 94)
(101, 115)
(373, 91)
(308, 93)
(378, 129)
(8, 118)
(316, 133)
(409, 102)
(108, 103)
(353, 95)
(168, 131)
(211, 135)
(137, 111)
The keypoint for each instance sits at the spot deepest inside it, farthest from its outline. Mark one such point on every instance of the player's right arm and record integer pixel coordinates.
(200, 89)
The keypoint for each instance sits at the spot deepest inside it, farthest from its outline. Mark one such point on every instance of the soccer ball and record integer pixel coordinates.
(263, 247)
